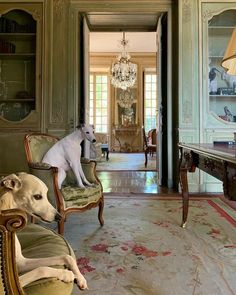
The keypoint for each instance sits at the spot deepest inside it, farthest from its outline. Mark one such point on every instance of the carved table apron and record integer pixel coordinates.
(216, 160)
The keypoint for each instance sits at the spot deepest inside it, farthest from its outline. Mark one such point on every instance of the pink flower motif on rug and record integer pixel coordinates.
(83, 264)
(120, 270)
(100, 248)
(214, 233)
(140, 250)
(230, 246)
(166, 253)
(124, 248)
(162, 224)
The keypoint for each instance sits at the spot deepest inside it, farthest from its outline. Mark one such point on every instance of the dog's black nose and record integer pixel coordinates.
(94, 140)
(58, 217)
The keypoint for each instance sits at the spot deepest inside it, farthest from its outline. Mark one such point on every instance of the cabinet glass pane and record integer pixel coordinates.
(221, 86)
(17, 64)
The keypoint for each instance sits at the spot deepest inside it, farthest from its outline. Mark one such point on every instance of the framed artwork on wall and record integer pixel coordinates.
(126, 106)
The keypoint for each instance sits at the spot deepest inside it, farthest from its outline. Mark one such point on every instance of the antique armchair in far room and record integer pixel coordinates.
(70, 198)
(149, 143)
(100, 150)
(103, 139)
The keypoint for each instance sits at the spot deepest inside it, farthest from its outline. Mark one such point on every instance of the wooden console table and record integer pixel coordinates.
(217, 160)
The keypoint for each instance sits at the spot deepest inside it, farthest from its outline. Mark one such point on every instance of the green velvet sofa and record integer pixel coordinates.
(36, 241)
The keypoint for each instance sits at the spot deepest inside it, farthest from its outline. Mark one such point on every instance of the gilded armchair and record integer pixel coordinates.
(70, 198)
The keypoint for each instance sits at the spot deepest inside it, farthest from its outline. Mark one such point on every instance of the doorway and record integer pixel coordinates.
(120, 114)
(110, 20)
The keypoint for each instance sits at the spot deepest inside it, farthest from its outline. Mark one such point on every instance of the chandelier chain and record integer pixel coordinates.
(123, 72)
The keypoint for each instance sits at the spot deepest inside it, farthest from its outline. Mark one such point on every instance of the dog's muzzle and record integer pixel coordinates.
(94, 140)
(58, 217)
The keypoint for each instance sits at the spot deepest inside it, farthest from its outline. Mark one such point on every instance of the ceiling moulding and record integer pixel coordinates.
(122, 5)
(113, 21)
(136, 54)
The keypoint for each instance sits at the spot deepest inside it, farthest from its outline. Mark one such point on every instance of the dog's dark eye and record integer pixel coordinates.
(87, 132)
(38, 197)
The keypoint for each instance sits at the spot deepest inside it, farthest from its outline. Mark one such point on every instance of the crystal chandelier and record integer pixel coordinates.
(123, 71)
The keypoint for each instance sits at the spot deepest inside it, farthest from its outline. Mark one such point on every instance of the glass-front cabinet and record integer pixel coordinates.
(20, 66)
(217, 103)
(221, 87)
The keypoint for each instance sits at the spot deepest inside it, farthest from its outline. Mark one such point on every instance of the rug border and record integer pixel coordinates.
(222, 212)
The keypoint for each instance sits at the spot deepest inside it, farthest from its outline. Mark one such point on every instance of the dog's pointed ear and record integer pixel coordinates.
(11, 182)
(80, 125)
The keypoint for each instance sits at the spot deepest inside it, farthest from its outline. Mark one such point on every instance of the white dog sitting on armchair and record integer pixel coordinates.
(66, 154)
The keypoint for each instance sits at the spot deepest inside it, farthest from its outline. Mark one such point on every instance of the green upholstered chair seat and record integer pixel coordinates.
(75, 196)
(38, 242)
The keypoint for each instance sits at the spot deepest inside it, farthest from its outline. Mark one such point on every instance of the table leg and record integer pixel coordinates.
(185, 195)
(146, 158)
(107, 157)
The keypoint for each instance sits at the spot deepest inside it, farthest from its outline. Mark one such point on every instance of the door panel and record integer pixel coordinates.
(86, 81)
(159, 105)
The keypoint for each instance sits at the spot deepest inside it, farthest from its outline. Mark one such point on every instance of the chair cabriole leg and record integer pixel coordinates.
(61, 224)
(100, 212)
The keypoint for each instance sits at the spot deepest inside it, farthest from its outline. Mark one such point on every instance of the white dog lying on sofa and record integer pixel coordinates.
(66, 154)
(27, 192)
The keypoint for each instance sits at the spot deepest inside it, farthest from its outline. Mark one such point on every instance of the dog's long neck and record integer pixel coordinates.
(6, 200)
(80, 136)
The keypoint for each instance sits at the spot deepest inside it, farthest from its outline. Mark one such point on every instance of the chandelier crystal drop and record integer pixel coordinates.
(123, 72)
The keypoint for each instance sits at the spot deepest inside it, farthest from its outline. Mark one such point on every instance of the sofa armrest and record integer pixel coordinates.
(40, 165)
(10, 222)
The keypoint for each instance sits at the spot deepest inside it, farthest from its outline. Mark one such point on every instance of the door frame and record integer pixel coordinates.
(76, 8)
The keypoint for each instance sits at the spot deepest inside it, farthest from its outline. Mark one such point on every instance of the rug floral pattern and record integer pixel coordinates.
(143, 250)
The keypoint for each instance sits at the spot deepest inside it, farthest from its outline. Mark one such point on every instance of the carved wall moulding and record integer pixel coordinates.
(209, 164)
(187, 114)
(186, 11)
(57, 113)
(187, 156)
(58, 6)
(36, 14)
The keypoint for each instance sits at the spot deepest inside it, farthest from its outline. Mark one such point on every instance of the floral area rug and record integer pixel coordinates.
(127, 161)
(142, 250)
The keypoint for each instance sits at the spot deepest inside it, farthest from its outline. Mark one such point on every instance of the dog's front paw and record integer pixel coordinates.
(91, 184)
(81, 282)
(66, 275)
